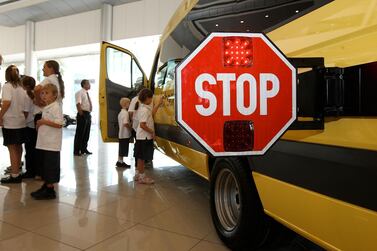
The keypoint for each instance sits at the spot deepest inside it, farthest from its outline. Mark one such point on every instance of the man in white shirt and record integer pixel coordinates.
(84, 119)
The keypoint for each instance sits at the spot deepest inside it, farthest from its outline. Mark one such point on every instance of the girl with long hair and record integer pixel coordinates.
(145, 134)
(12, 119)
(51, 72)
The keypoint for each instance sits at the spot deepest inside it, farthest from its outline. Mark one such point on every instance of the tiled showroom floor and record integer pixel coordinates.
(101, 208)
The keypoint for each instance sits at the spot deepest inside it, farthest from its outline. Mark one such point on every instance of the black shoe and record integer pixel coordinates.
(46, 194)
(125, 165)
(35, 193)
(11, 180)
(27, 175)
(122, 164)
(86, 152)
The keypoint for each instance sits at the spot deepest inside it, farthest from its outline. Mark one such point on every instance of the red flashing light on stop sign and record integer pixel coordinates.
(238, 51)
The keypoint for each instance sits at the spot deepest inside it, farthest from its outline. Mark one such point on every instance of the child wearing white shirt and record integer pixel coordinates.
(124, 132)
(49, 142)
(145, 134)
(28, 83)
(12, 119)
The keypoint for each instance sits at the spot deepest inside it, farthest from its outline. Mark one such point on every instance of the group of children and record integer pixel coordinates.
(32, 115)
(136, 120)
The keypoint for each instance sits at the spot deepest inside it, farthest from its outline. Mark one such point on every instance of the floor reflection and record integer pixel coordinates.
(99, 204)
(99, 207)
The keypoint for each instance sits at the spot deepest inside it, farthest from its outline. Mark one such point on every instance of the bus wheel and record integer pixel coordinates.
(236, 210)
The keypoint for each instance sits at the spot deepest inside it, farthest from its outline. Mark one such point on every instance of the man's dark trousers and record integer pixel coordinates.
(82, 132)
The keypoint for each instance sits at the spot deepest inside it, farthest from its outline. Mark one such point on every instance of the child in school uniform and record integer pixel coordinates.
(49, 142)
(145, 134)
(124, 132)
(134, 123)
(12, 119)
(28, 83)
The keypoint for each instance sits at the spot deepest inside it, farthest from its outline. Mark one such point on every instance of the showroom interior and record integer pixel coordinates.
(198, 125)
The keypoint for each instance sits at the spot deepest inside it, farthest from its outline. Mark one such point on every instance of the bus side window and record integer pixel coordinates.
(170, 76)
(160, 77)
(118, 67)
(137, 76)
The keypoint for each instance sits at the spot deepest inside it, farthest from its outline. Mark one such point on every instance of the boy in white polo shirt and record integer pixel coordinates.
(49, 142)
(124, 132)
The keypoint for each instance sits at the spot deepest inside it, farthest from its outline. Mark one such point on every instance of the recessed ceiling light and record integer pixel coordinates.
(297, 11)
(217, 25)
(242, 21)
(266, 15)
(247, 30)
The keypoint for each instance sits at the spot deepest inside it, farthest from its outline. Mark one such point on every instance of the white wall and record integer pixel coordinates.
(12, 40)
(142, 18)
(79, 29)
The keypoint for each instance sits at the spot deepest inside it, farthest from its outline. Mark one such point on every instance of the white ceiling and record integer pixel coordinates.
(17, 12)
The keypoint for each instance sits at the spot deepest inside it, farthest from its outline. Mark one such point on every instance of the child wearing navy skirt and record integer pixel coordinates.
(49, 142)
(145, 134)
(12, 119)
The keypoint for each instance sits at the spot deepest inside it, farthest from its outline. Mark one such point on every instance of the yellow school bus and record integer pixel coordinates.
(320, 178)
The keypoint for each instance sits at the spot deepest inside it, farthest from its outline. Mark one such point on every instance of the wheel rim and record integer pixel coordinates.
(227, 200)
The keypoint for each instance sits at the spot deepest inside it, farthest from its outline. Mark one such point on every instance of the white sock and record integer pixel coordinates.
(120, 159)
(141, 175)
(14, 175)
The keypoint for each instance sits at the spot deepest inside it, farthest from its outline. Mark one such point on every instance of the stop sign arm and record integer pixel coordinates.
(310, 94)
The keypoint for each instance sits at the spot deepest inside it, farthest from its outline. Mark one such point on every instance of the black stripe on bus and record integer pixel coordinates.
(346, 174)
(177, 135)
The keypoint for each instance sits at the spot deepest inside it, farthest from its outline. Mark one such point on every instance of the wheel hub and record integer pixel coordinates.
(227, 200)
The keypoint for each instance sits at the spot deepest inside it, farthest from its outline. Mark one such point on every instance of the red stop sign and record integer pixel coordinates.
(232, 80)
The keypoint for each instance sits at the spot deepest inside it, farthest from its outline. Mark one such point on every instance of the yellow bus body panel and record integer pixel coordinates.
(331, 223)
(352, 132)
(197, 161)
(344, 32)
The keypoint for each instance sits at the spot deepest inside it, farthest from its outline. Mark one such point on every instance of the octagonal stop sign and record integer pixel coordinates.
(236, 94)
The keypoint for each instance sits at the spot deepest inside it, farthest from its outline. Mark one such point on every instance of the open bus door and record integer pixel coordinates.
(120, 76)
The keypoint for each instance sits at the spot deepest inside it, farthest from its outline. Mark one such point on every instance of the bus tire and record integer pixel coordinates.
(236, 210)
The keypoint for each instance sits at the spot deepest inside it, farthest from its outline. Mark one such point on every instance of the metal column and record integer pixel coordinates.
(30, 59)
(106, 22)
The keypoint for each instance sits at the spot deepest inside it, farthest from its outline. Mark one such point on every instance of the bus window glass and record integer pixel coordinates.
(118, 67)
(170, 76)
(137, 76)
(159, 79)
